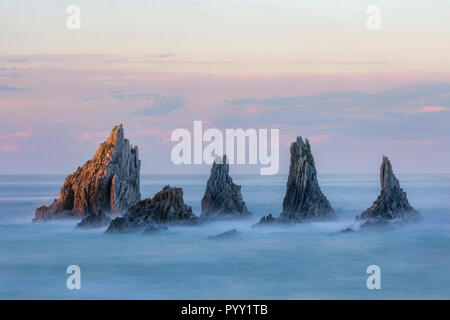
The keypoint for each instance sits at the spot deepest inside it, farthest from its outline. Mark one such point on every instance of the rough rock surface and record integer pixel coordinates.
(165, 206)
(347, 230)
(95, 220)
(304, 199)
(267, 220)
(392, 202)
(222, 197)
(109, 182)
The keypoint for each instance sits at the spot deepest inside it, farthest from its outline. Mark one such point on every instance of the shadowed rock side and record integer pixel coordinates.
(166, 206)
(108, 182)
(392, 202)
(303, 199)
(222, 197)
(94, 220)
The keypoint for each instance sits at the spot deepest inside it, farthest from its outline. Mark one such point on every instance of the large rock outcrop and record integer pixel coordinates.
(108, 182)
(222, 197)
(392, 202)
(304, 199)
(165, 207)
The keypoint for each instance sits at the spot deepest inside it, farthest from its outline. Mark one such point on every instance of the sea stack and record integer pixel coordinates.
(108, 182)
(304, 199)
(392, 202)
(166, 206)
(222, 197)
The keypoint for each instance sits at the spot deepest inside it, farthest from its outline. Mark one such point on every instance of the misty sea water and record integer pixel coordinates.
(302, 261)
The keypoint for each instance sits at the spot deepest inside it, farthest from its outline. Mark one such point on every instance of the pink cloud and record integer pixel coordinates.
(431, 109)
(92, 136)
(96, 78)
(255, 110)
(319, 138)
(286, 139)
(8, 147)
(20, 135)
(164, 136)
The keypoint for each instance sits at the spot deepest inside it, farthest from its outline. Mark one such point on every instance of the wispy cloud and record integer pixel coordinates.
(432, 109)
(9, 88)
(161, 56)
(162, 105)
(382, 106)
(163, 135)
(408, 94)
(134, 96)
(11, 144)
(96, 137)
(318, 138)
(16, 60)
(10, 147)
(409, 142)
(20, 135)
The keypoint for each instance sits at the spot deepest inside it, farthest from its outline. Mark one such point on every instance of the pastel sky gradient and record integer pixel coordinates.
(309, 69)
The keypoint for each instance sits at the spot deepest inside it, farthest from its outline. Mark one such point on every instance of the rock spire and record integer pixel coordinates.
(392, 202)
(222, 197)
(108, 182)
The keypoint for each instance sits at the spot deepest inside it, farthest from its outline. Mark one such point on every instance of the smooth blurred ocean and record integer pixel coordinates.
(303, 261)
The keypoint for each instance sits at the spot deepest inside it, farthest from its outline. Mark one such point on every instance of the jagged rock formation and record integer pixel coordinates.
(166, 206)
(267, 220)
(222, 197)
(109, 182)
(95, 220)
(304, 199)
(392, 202)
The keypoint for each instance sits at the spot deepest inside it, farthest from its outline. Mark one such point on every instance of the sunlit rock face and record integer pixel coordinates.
(222, 197)
(166, 206)
(392, 202)
(304, 199)
(108, 182)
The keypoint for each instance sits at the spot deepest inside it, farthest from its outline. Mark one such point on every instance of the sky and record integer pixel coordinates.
(308, 69)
